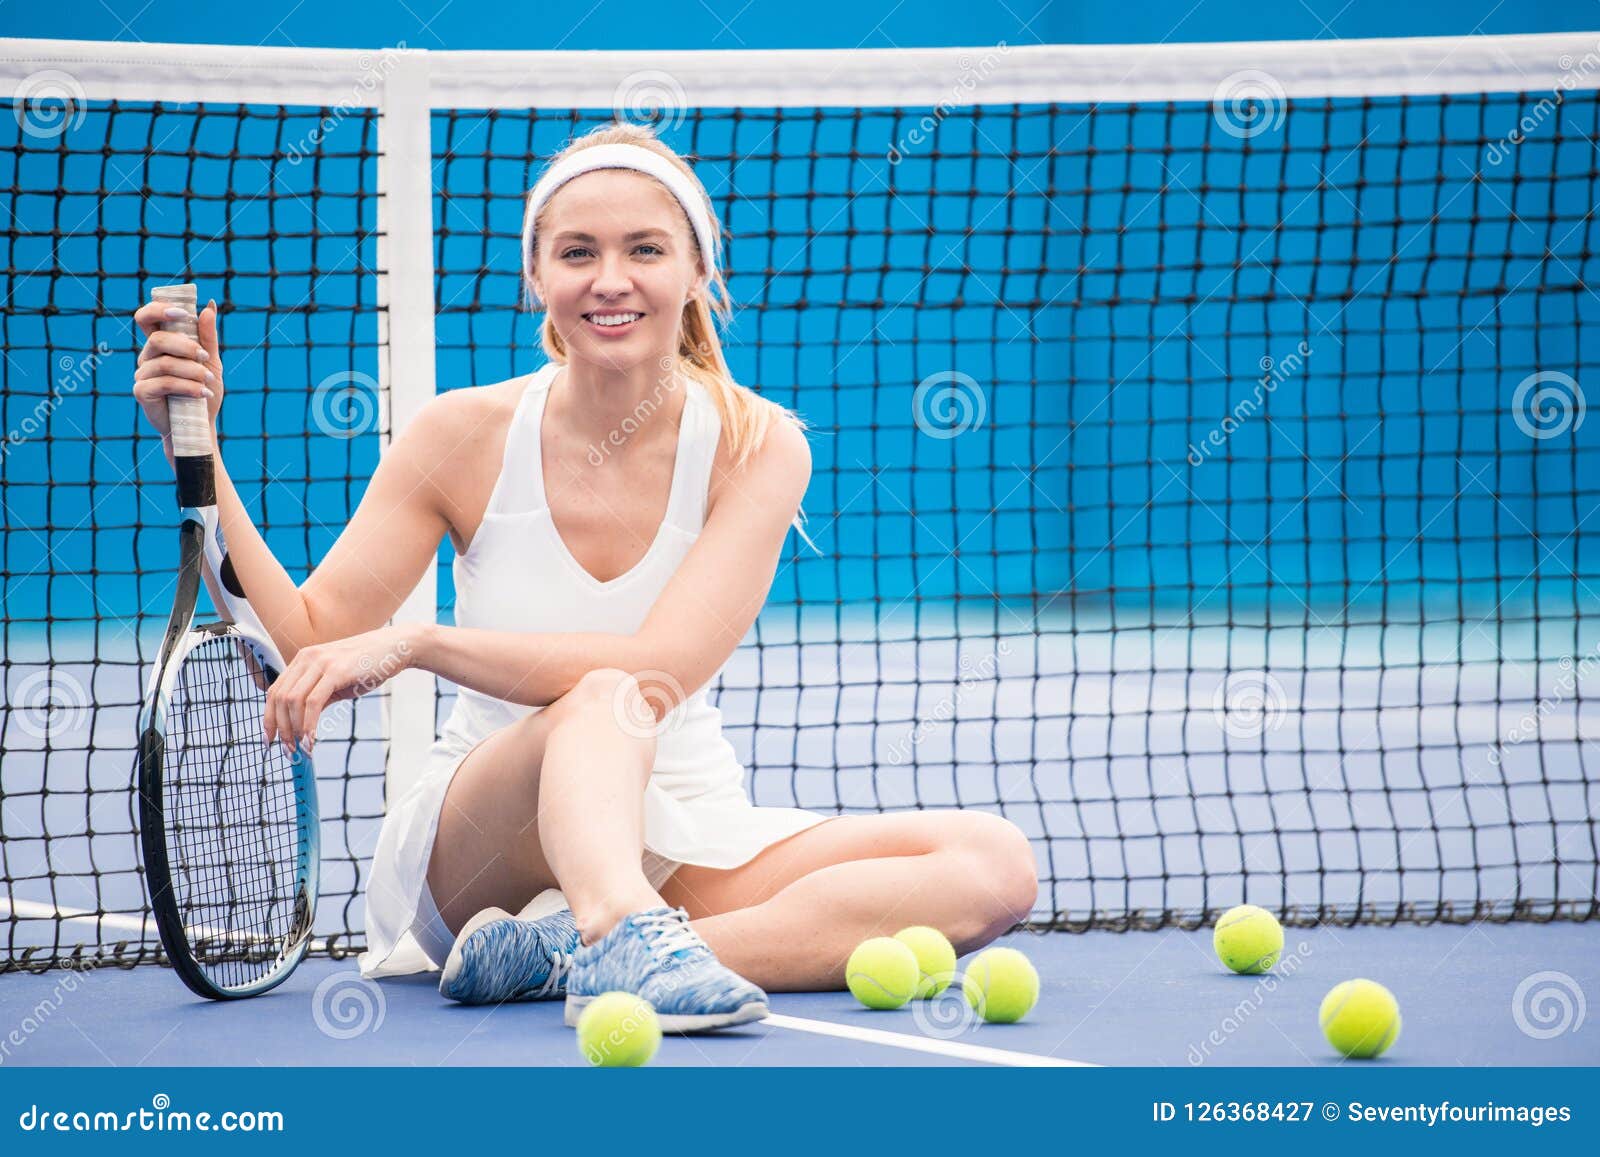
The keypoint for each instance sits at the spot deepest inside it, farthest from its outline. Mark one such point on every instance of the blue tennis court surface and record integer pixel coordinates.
(1483, 994)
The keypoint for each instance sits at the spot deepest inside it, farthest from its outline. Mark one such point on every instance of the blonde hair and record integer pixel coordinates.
(746, 416)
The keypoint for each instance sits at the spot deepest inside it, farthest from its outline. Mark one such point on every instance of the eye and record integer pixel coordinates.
(573, 252)
(650, 249)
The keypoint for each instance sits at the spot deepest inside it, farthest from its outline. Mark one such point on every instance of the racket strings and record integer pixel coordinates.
(232, 807)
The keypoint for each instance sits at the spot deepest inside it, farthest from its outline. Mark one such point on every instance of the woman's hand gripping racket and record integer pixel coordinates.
(227, 821)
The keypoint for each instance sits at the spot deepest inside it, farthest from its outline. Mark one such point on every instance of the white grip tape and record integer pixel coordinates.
(190, 418)
(190, 425)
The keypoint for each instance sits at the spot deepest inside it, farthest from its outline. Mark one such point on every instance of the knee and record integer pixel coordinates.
(1001, 858)
(601, 686)
(607, 694)
(605, 691)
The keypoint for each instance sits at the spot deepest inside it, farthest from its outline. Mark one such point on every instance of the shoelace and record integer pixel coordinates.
(560, 965)
(668, 933)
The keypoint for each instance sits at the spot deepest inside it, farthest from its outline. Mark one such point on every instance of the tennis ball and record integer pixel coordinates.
(882, 973)
(619, 1030)
(936, 959)
(1360, 1018)
(1248, 939)
(1001, 985)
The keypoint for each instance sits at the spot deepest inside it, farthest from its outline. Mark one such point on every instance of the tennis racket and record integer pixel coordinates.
(227, 821)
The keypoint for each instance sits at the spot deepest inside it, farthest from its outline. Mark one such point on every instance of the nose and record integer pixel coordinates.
(611, 278)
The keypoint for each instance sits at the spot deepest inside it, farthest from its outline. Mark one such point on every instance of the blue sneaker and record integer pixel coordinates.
(499, 957)
(656, 955)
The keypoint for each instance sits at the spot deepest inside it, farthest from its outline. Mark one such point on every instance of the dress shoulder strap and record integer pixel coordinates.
(697, 451)
(520, 487)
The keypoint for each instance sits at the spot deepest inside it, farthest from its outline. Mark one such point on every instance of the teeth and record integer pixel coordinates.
(614, 318)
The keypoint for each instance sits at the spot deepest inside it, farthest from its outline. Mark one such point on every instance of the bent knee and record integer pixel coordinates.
(602, 685)
(604, 690)
(1002, 858)
(610, 699)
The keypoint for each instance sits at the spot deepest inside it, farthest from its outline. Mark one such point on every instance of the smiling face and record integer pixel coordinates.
(614, 264)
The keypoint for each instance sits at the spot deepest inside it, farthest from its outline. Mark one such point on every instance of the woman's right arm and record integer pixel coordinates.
(382, 553)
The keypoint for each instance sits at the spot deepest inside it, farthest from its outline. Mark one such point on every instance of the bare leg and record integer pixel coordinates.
(555, 800)
(591, 805)
(789, 919)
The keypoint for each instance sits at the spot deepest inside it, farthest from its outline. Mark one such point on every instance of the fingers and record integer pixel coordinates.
(171, 364)
(312, 707)
(295, 702)
(278, 720)
(182, 371)
(208, 334)
(317, 676)
(151, 385)
(150, 316)
(176, 345)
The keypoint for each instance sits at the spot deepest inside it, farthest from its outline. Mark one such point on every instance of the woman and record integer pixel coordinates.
(618, 517)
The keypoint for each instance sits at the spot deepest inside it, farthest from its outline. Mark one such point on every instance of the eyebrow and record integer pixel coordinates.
(636, 235)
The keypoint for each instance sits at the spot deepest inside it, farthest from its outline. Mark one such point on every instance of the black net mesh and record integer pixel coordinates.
(1207, 490)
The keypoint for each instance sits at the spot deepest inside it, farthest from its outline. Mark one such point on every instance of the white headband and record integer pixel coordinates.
(634, 157)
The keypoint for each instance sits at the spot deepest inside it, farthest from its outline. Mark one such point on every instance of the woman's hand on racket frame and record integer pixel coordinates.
(329, 673)
(171, 363)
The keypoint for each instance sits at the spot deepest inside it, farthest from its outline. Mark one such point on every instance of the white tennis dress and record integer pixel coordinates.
(517, 575)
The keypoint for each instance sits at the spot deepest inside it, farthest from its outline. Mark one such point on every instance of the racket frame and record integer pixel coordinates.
(179, 641)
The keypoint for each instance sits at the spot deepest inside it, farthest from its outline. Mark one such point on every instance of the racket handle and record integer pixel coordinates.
(189, 417)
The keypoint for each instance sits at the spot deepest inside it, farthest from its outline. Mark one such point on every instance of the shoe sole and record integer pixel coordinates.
(682, 1022)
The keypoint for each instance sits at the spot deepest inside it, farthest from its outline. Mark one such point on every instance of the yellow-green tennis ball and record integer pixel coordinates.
(1001, 985)
(882, 972)
(1248, 939)
(936, 959)
(619, 1030)
(1360, 1018)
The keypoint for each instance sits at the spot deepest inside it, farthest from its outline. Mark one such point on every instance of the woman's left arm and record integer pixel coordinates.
(689, 633)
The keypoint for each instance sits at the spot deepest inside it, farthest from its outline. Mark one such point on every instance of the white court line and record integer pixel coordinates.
(141, 926)
(924, 1044)
(34, 910)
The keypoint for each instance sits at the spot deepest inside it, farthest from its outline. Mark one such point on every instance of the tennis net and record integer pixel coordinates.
(1201, 475)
